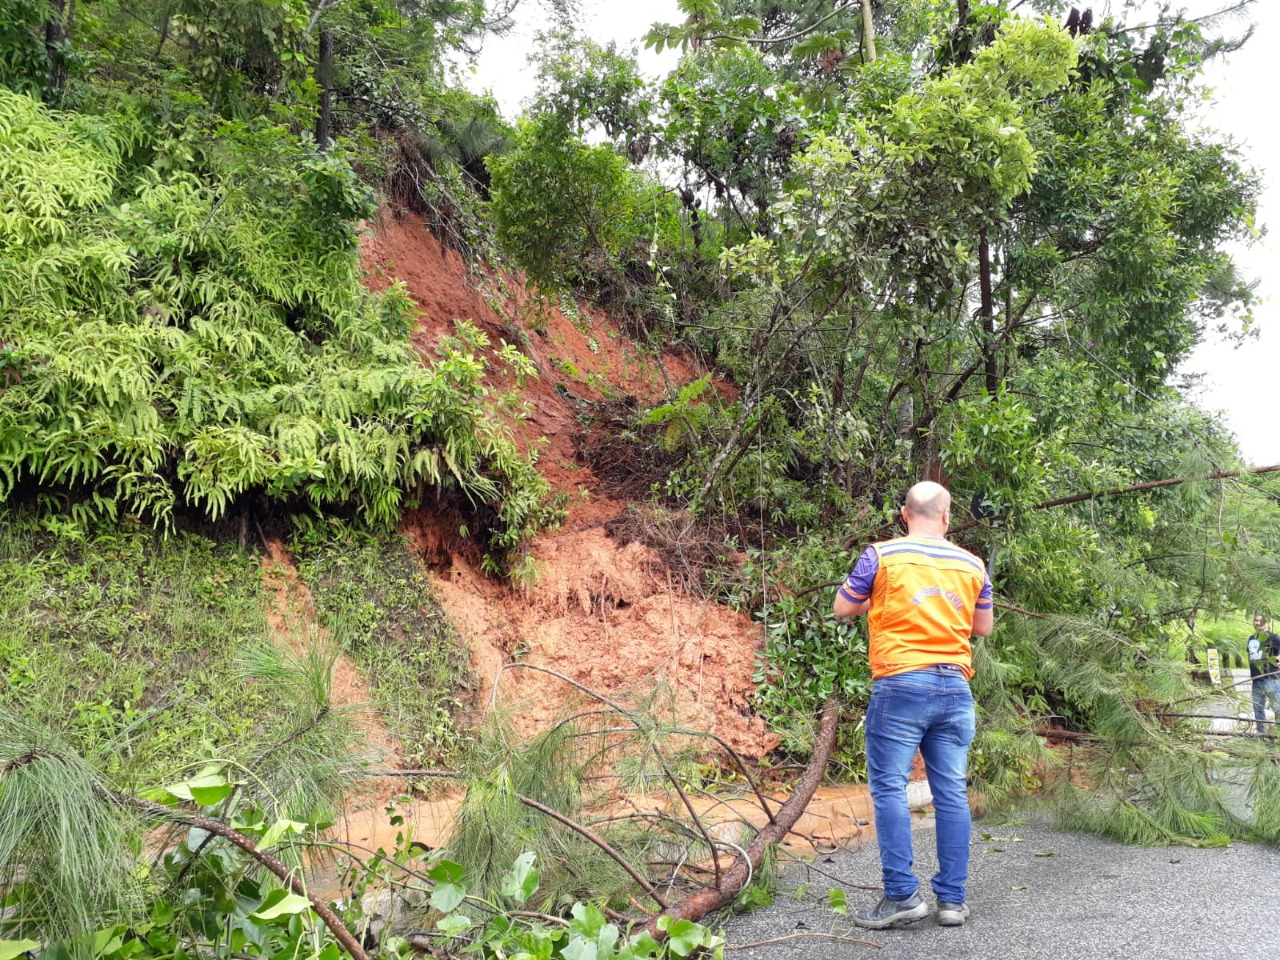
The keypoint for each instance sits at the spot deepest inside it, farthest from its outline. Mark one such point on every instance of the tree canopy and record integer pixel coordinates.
(923, 239)
(969, 243)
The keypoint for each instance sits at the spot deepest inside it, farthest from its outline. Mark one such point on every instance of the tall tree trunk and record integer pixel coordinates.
(728, 448)
(761, 377)
(987, 312)
(54, 33)
(905, 416)
(324, 73)
(164, 31)
(868, 34)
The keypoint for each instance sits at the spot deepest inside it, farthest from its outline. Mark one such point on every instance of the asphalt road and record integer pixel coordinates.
(1037, 893)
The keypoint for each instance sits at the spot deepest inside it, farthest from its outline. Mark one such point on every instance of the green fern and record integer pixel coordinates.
(184, 339)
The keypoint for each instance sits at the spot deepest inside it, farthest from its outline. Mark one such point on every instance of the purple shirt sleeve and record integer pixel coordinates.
(984, 597)
(857, 586)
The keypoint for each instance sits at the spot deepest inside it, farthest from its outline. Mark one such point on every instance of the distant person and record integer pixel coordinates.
(923, 597)
(1264, 671)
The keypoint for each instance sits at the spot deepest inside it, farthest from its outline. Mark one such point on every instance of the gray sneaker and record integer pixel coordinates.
(888, 912)
(951, 914)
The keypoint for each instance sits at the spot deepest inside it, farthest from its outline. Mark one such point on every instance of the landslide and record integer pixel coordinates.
(605, 613)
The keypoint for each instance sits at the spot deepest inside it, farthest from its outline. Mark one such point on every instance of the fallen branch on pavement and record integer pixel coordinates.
(698, 905)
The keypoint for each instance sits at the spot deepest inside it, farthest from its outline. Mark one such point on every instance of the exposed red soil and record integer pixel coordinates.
(609, 617)
(291, 614)
(587, 360)
(606, 614)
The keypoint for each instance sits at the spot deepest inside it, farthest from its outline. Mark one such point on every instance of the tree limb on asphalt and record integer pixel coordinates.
(698, 905)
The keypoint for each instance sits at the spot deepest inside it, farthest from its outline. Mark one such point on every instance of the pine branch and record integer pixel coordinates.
(736, 878)
(281, 871)
(31, 756)
(600, 842)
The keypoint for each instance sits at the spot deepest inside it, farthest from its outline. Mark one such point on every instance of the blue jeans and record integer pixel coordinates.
(1264, 689)
(930, 709)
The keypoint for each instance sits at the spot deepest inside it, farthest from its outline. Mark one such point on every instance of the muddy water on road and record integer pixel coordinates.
(839, 815)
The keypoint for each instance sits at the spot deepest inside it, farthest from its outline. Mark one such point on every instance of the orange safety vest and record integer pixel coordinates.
(922, 605)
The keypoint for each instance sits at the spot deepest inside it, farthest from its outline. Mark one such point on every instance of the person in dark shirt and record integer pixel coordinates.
(1264, 671)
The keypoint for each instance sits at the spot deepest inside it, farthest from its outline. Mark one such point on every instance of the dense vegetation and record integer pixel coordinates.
(967, 245)
(922, 239)
(185, 325)
(105, 628)
(376, 605)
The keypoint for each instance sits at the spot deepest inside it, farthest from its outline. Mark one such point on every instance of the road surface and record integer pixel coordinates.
(1038, 893)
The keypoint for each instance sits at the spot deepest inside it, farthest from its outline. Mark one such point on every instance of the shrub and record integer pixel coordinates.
(192, 329)
(559, 205)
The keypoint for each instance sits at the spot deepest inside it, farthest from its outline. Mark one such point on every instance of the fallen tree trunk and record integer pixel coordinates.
(698, 905)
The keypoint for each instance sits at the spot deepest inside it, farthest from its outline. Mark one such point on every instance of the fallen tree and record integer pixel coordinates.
(738, 876)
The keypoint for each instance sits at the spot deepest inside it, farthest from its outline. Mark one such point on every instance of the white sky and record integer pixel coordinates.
(1242, 382)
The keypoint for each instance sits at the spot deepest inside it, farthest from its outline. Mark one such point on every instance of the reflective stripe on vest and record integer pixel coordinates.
(922, 605)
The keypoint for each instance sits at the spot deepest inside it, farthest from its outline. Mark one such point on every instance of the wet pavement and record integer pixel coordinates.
(1038, 893)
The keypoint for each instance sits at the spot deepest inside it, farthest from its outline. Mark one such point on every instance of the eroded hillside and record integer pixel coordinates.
(602, 612)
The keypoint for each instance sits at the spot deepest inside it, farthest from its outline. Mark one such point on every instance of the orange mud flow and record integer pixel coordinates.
(839, 815)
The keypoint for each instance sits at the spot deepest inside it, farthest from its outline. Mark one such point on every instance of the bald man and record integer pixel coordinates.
(924, 597)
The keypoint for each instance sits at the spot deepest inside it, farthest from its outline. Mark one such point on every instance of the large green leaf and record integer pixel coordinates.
(207, 789)
(522, 881)
(12, 949)
(683, 936)
(281, 903)
(448, 891)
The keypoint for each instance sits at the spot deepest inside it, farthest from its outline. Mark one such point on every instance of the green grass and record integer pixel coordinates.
(111, 632)
(374, 600)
